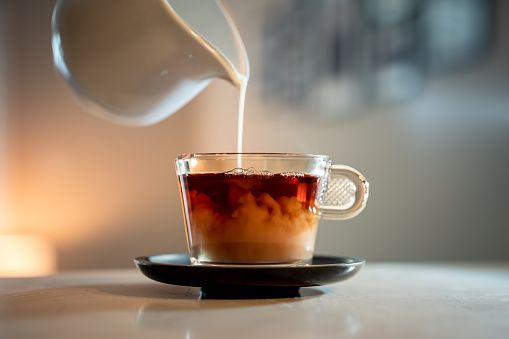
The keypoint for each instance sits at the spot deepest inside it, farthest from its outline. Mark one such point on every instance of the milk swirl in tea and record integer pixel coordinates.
(250, 217)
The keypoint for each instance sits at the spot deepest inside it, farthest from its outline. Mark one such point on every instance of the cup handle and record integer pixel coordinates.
(346, 195)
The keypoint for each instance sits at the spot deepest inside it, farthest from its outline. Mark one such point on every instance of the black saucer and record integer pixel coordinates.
(253, 281)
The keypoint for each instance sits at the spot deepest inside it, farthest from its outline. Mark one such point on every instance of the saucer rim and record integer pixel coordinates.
(346, 261)
(247, 279)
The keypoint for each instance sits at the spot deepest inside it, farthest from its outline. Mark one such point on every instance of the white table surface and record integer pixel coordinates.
(383, 301)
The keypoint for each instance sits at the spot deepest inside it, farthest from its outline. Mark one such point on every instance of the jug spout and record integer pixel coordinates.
(136, 62)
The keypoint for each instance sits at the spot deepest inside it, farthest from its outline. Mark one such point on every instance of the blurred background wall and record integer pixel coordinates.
(414, 94)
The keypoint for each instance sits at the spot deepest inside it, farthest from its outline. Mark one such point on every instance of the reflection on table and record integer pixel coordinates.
(393, 300)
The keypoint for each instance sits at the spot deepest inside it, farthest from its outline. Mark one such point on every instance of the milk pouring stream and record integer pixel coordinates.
(136, 62)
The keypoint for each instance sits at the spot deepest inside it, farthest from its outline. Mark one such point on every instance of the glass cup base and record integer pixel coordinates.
(205, 262)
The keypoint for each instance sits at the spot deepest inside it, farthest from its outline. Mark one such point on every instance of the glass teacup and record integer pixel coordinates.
(263, 208)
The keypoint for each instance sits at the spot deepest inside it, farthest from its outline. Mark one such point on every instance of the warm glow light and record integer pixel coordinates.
(26, 256)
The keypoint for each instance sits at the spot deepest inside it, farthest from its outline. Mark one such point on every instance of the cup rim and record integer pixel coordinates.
(186, 156)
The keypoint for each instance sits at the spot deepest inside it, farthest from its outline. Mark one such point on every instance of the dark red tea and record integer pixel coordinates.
(240, 217)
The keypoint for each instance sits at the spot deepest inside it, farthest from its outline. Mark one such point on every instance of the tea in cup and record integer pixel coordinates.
(262, 208)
